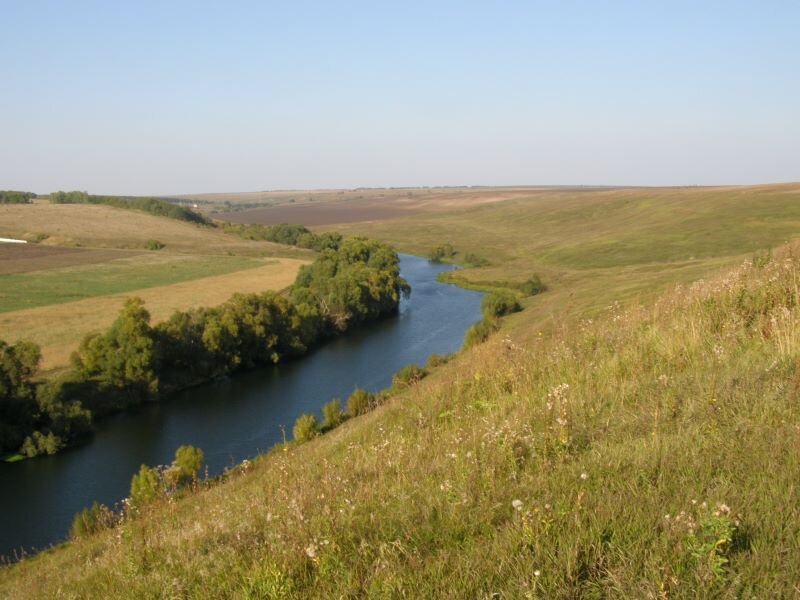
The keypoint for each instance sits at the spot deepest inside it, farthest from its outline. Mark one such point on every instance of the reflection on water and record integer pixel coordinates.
(233, 419)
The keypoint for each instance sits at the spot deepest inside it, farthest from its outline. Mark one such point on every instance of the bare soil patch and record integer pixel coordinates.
(23, 258)
(355, 206)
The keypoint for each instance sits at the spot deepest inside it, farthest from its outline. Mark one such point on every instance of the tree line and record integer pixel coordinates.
(15, 197)
(285, 233)
(154, 206)
(134, 361)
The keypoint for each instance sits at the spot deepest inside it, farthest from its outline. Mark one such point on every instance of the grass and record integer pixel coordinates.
(55, 293)
(648, 453)
(59, 328)
(57, 286)
(97, 226)
(596, 247)
(619, 438)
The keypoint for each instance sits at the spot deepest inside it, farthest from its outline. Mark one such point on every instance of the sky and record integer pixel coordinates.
(174, 97)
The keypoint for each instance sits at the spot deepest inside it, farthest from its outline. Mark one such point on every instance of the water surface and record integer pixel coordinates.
(234, 419)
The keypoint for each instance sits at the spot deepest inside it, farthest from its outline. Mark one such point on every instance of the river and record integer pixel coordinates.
(233, 419)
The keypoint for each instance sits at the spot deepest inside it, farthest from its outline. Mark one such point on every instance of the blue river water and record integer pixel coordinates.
(233, 419)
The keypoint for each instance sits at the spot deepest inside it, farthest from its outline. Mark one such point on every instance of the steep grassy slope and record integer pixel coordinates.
(650, 453)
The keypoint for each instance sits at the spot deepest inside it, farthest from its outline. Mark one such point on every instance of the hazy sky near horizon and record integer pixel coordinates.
(175, 97)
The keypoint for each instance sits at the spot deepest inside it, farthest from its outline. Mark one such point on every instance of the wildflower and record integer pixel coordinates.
(584, 476)
(517, 504)
(311, 551)
(536, 573)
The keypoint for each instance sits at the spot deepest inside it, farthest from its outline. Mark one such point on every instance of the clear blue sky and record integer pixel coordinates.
(171, 97)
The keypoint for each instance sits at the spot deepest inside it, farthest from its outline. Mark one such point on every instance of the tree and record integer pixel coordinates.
(332, 414)
(146, 486)
(305, 428)
(124, 356)
(359, 402)
(188, 461)
(18, 409)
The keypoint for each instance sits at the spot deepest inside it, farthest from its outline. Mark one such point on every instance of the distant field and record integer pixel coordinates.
(595, 247)
(148, 270)
(96, 226)
(327, 207)
(59, 328)
(21, 258)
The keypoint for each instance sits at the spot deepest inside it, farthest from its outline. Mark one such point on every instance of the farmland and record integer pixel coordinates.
(326, 207)
(59, 328)
(98, 226)
(91, 258)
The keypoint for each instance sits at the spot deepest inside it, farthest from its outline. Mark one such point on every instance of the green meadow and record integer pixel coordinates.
(57, 286)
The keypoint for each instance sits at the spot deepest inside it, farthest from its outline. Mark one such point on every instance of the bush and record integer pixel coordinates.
(332, 414)
(498, 304)
(305, 428)
(473, 260)
(533, 286)
(146, 486)
(359, 402)
(437, 253)
(479, 332)
(37, 443)
(408, 375)
(153, 245)
(435, 360)
(91, 520)
(188, 461)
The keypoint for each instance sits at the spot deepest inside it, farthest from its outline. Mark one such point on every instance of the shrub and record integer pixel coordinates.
(188, 461)
(305, 428)
(498, 304)
(146, 486)
(437, 253)
(473, 260)
(37, 443)
(359, 402)
(91, 520)
(408, 375)
(332, 414)
(153, 245)
(435, 360)
(532, 286)
(478, 332)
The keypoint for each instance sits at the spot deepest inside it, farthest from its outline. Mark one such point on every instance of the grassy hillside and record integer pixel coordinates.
(649, 453)
(97, 226)
(596, 247)
(91, 258)
(612, 440)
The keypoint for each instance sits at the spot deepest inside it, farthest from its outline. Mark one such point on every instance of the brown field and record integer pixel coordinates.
(58, 329)
(326, 207)
(97, 226)
(22, 258)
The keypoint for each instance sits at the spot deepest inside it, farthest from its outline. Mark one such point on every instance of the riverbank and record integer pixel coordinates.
(238, 417)
(134, 362)
(594, 459)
